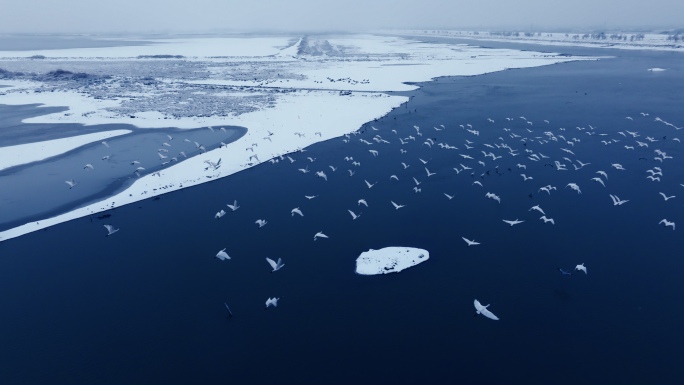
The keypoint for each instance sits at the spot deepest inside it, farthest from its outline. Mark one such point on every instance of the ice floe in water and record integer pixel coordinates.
(389, 260)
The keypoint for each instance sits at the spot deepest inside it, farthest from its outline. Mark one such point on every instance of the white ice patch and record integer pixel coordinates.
(11, 156)
(389, 260)
(656, 69)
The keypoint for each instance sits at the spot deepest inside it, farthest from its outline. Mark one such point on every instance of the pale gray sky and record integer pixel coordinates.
(67, 16)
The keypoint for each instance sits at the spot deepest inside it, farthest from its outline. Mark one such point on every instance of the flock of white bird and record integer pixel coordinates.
(477, 159)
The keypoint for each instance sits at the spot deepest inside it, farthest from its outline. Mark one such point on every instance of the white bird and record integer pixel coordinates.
(525, 177)
(363, 202)
(405, 165)
(575, 187)
(321, 174)
(71, 183)
(222, 255)
(396, 206)
(546, 220)
(105, 143)
(219, 214)
(515, 222)
(310, 196)
(272, 302)
(275, 265)
(304, 170)
(429, 174)
(111, 230)
(493, 196)
(538, 209)
(667, 223)
(374, 152)
(449, 196)
(296, 210)
(394, 177)
(603, 174)
(320, 235)
(234, 206)
(666, 197)
(261, 222)
(599, 180)
(89, 166)
(354, 216)
(423, 161)
(478, 183)
(479, 309)
(617, 201)
(581, 267)
(370, 184)
(469, 242)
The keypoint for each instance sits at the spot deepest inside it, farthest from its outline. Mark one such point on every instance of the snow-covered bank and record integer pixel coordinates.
(619, 40)
(389, 260)
(31, 152)
(288, 93)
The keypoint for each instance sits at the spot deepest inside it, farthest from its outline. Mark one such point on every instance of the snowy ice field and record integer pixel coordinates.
(289, 92)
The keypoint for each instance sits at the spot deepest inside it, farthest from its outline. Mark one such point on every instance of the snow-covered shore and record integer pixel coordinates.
(288, 93)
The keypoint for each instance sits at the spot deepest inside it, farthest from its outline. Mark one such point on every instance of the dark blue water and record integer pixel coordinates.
(146, 304)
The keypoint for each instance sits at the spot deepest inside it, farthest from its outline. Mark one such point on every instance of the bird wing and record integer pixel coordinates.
(488, 313)
(109, 227)
(271, 262)
(352, 214)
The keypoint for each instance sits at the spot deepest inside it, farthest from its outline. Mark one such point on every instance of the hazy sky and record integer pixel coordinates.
(22, 16)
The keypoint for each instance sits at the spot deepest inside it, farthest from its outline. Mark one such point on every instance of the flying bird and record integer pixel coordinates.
(71, 183)
(220, 214)
(515, 222)
(546, 220)
(111, 230)
(261, 222)
(320, 235)
(581, 267)
(666, 197)
(469, 242)
(296, 210)
(272, 302)
(363, 202)
(667, 223)
(479, 309)
(354, 216)
(275, 265)
(617, 201)
(222, 255)
(396, 206)
(234, 206)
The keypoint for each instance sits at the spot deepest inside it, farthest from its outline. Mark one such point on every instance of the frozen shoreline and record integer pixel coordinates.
(318, 97)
